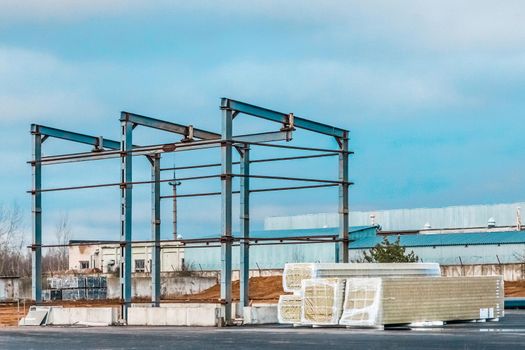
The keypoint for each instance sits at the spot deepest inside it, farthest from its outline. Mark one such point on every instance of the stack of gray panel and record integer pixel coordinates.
(76, 288)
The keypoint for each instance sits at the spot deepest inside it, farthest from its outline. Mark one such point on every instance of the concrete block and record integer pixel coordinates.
(260, 314)
(156, 316)
(176, 316)
(100, 316)
(202, 316)
(137, 316)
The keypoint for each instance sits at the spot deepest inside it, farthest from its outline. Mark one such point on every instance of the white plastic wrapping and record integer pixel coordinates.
(294, 273)
(322, 301)
(289, 309)
(362, 302)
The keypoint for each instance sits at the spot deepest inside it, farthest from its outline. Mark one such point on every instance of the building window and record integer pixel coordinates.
(84, 264)
(139, 265)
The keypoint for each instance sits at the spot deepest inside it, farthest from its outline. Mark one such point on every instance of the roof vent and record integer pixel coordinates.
(427, 226)
(491, 223)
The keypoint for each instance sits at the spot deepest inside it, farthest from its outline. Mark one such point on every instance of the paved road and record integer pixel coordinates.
(506, 334)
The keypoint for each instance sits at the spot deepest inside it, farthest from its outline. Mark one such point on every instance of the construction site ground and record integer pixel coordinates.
(262, 290)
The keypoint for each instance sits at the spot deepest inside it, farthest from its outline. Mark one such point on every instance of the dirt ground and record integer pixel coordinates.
(262, 289)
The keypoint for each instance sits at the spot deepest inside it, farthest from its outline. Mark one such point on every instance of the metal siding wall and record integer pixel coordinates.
(478, 254)
(263, 257)
(407, 219)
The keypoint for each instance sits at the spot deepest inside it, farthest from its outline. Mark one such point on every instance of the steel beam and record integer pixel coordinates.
(74, 137)
(126, 217)
(265, 137)
(188, 131)
(155, 231)
(245, 229)
(343, 200)
(283, 118)
(226, 217)
(36, 196)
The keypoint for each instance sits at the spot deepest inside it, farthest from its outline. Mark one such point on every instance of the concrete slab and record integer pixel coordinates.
(36, 316)
(260, 314)
(176, 315)
(100, 316)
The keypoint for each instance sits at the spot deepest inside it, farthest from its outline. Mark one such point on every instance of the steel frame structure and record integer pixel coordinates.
(192, 139)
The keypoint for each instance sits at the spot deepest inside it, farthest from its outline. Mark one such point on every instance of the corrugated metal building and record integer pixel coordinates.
(490, 247)
(456, 248)
(407, 219)
(275, 256)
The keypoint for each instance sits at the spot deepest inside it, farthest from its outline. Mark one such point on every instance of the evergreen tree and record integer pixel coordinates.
(387, 252)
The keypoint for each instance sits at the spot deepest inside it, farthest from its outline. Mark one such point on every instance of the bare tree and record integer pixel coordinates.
(14, 259)
(57, 258)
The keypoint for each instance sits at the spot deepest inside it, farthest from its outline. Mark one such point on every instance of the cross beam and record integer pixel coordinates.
(285, 118)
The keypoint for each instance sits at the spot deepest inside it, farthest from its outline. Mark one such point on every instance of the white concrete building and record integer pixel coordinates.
(105, 256)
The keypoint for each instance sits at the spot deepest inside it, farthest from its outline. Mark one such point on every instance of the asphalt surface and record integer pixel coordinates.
(509, 333)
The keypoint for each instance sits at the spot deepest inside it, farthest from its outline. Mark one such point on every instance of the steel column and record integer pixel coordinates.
(245, 228)
(155, 230)
(343, 200)
(36, 195)
(226, 210)
(126, 216)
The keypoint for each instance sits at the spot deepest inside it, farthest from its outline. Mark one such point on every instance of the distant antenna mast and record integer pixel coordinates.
(518, 218)
(174, 185)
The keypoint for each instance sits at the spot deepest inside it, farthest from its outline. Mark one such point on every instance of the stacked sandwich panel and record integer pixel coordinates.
(322, 301)
(294, 274)
(289, 309)
(392, 300)
(381, 294)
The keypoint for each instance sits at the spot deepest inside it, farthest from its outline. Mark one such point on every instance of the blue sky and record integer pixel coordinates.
(432, 92)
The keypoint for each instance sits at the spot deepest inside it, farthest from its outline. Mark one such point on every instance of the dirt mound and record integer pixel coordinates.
(265, 289)
(515, 288)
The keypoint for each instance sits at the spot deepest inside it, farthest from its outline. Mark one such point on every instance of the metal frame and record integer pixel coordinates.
(194, 139)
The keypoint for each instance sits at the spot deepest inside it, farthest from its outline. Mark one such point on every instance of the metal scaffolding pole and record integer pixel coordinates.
(226, 220)
(245, 228)
(36, 256)
(126, 215)
(155, 230)
(343, 200)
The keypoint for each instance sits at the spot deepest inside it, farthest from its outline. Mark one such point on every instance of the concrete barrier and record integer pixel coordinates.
(97, 316)
(198, 314)
(260, 314)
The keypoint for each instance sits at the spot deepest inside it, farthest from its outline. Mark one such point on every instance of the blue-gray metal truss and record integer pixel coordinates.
(40, 134)
(230, 108)
(284, 118)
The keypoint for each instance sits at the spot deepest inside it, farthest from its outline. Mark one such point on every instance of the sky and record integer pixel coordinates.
(432, 93)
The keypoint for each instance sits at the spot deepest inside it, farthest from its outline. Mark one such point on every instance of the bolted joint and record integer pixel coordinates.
(288, 125)
(226, 176)
(189, 134)
(226, 239)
